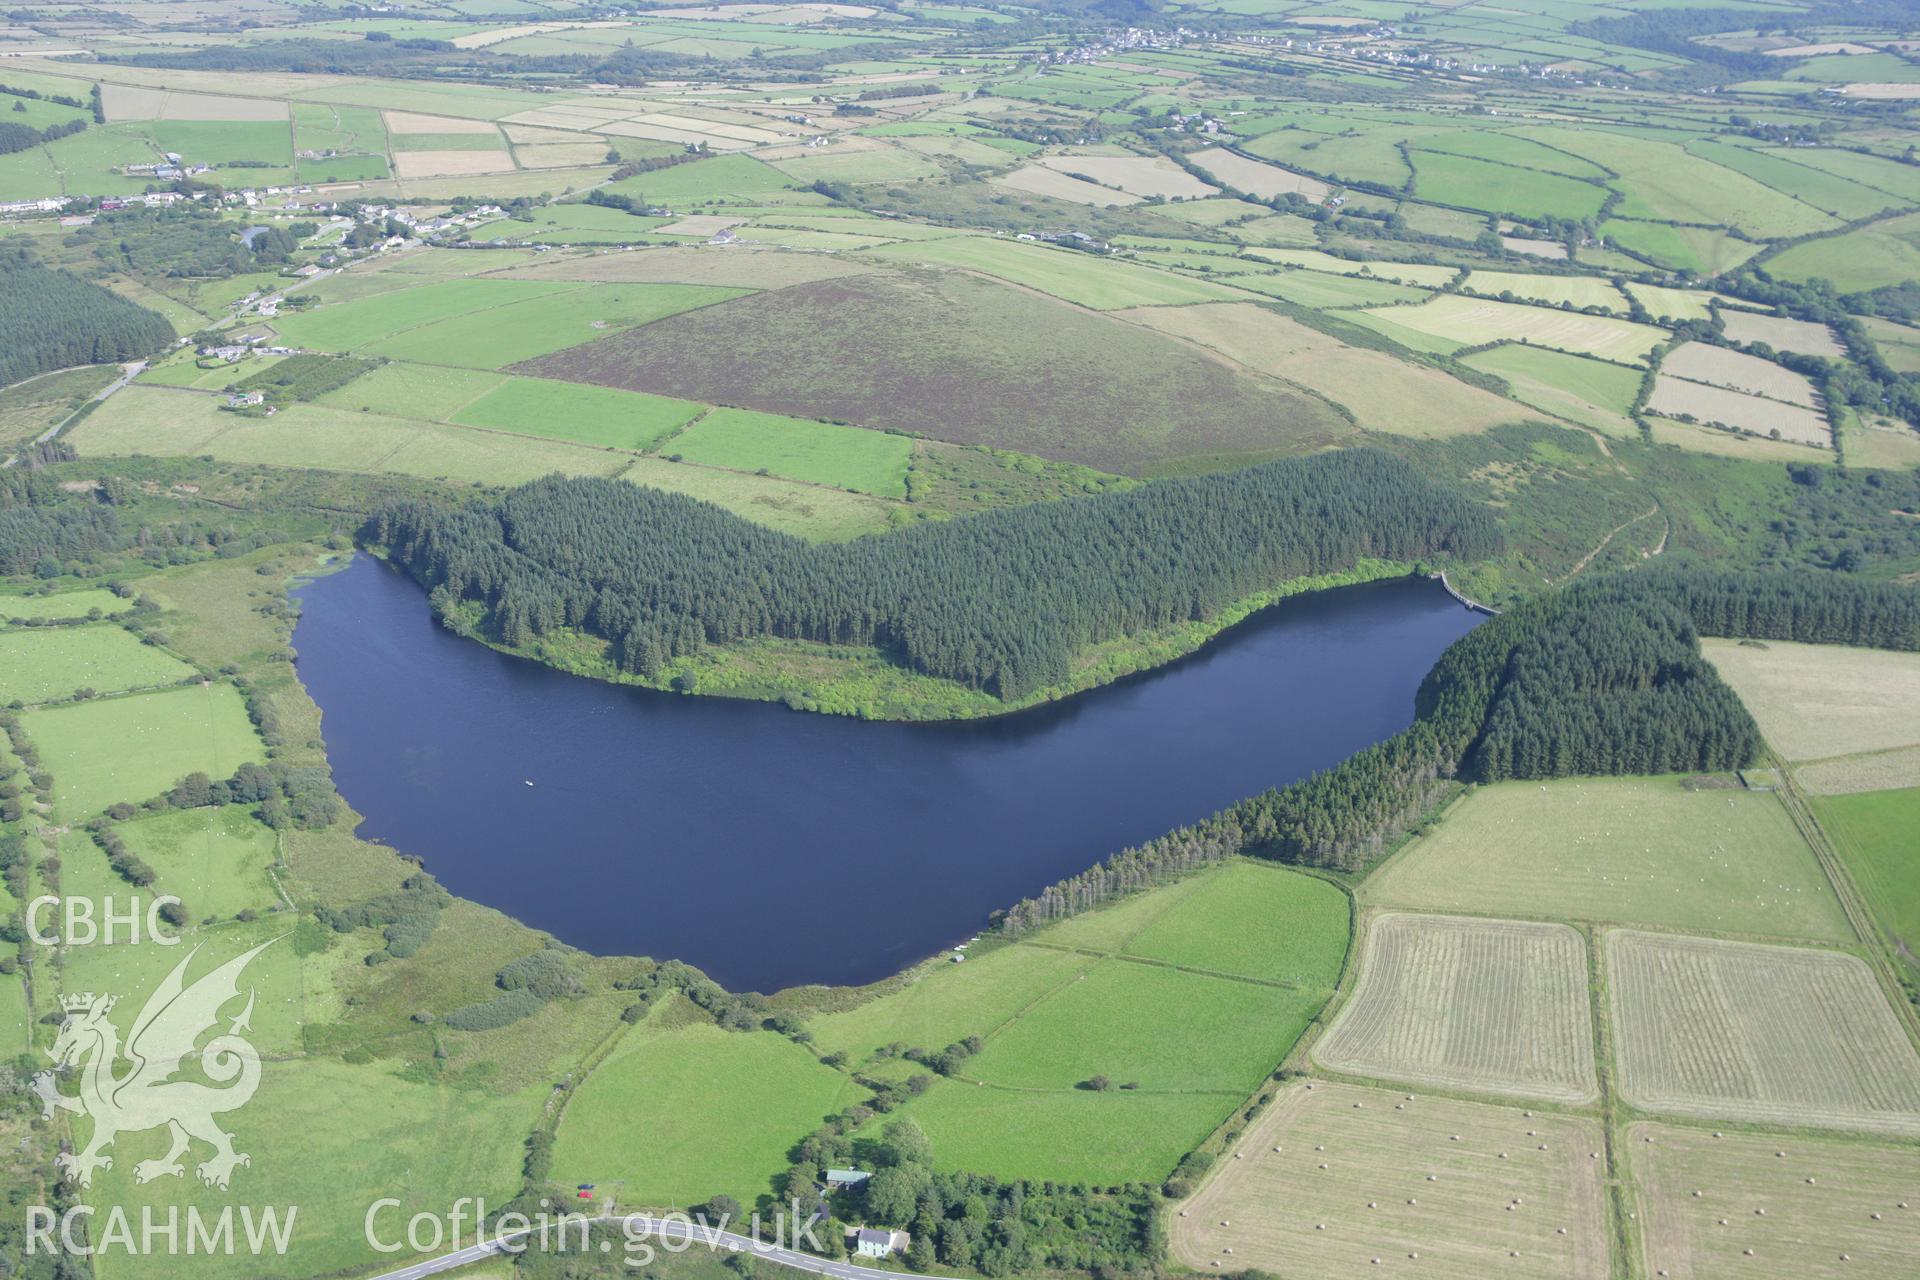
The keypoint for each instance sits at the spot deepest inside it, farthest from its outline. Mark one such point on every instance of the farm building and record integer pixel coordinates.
(847, 1177)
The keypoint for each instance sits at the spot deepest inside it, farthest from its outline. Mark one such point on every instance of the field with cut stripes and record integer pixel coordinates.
(1721, 1030)
(1496, 1006)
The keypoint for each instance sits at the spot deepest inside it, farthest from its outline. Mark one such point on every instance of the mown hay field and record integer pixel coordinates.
(1337, 1181)
(1783, 334)
(1382, 393)
(1721, 1030)
(1075, 277)
(1733, 1204)
(1623, 850)
(1470, 321)
(1678, 398)
(1137, 175)
(1814, 701)
(1719, 367)
(41, 664)
(1256, 177)
(1494, 1006)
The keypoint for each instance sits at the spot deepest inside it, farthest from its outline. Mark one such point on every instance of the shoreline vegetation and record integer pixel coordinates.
(859, 682)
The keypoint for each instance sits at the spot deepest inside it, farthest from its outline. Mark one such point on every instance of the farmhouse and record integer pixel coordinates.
(869, 1243)
(847, 1177)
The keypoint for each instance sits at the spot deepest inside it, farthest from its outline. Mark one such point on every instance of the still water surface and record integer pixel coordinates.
(772, 847)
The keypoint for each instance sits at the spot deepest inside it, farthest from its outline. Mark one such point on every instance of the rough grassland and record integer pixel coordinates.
(799, 449)
(46, 663)
(929, 353)
(1831, 1207)
(1740, 1031)
(1874, 833)
(1624, 850)
(1402, 1176)
(135, 747)
(1471, 321)
(688, 1114)
(1496, 1006)
(1813, 701)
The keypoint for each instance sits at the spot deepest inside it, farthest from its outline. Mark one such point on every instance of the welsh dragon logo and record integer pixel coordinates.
(144, 1094)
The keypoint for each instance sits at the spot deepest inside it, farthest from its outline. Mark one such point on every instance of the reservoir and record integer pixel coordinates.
(772, 847)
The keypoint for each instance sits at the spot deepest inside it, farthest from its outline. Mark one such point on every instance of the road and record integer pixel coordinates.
(128, 372)
(657, 1230)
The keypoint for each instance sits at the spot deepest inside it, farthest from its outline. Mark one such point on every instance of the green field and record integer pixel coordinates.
(734, 179)
(1500, 188)
(1622, 850)
(580, 413)
(1190, 993)
(345, 326)
(64, 604)
(215, 860)
(1594, 393)
(679, 1116)
(542, 325)
(402, 390)
(43, 664)
(817, 452)
(1873, 831)
(1245, 919)
(132, 748)
(1071, 1135)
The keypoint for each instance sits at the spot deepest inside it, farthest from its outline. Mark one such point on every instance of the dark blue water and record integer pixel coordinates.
(773, 847)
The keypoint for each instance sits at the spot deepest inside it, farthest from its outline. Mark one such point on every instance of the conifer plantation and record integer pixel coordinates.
(1000, 601)
(51, 319)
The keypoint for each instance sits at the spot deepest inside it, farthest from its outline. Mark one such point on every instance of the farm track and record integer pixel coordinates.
(1611, 534)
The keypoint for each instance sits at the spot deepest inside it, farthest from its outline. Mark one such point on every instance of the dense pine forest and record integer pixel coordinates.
(53, 320)
(1603, 678)
(1000, 601)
